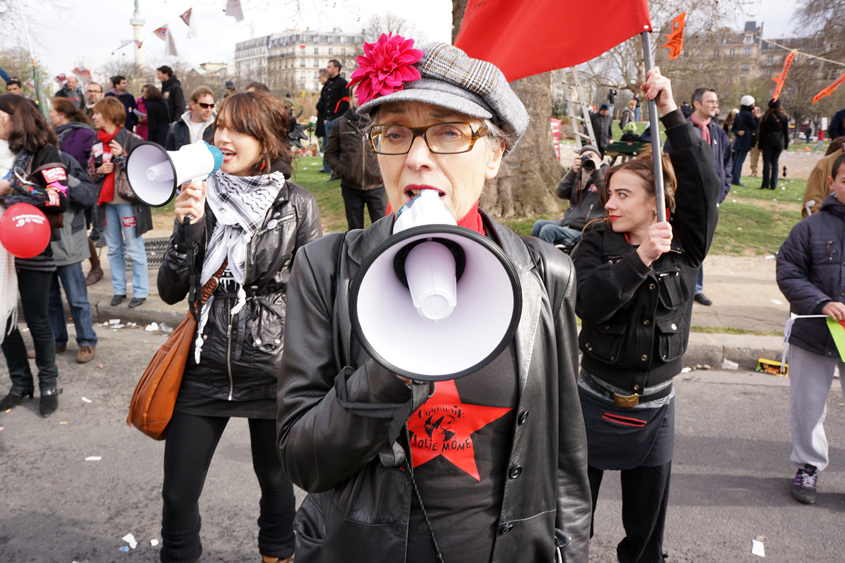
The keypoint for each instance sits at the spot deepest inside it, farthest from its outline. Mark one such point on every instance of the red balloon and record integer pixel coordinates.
(24, 230)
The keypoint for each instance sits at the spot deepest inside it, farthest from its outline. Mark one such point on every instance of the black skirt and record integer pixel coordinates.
(622, 438)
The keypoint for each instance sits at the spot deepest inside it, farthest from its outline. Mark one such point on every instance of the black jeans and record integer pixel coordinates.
(34, 288)
(645, 497)
(190, 445)
(770, 166)
(354, 200)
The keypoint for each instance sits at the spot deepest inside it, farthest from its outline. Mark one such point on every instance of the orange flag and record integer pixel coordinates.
(676, 39)
(829, 90)
(781, 78)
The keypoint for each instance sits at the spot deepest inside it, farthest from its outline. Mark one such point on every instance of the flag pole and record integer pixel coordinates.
(655, 136)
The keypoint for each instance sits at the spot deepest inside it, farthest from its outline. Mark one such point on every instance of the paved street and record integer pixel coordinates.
(730, 483)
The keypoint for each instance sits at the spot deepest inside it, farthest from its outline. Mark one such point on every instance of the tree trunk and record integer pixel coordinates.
(529, 175)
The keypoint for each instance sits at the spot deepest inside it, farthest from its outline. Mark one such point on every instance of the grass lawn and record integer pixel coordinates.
(755, 222)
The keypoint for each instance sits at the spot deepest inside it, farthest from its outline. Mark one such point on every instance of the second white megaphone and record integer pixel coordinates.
(154, 174)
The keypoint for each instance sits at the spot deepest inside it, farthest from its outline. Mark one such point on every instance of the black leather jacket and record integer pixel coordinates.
(241, 355)
(359, 506)
(635, 319)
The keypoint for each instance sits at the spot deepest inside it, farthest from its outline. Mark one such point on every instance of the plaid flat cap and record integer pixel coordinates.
(451, 79)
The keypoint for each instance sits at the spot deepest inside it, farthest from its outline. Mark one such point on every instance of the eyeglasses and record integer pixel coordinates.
(205, 106)
(441, 138)
(94, 91)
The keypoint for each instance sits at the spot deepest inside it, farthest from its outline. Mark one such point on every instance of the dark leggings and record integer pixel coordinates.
(34, 287)
(645, 497)
(190, 445)
(770, 167)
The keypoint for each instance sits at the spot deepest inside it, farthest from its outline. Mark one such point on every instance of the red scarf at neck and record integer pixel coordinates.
(472, 220)
(704, 125)
(107, 193)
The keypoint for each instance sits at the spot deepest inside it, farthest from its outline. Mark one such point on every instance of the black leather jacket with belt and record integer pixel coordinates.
(359, 503)
(241, 353)
(635, 319)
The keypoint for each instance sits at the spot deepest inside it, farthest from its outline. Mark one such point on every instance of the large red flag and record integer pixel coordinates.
(527, 37)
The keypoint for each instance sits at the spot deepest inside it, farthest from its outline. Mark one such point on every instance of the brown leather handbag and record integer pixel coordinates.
(154, 398)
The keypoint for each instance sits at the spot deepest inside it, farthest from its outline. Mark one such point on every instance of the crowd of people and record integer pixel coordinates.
(374, 450)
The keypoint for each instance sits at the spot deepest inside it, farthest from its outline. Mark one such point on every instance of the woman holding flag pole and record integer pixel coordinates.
(635, 293)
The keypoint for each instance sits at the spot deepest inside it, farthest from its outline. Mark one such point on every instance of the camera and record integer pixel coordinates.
(587, 164)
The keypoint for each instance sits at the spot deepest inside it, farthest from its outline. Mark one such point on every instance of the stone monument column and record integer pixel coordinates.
(137, 22)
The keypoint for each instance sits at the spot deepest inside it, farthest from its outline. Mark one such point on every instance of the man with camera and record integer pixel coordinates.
(580, 187)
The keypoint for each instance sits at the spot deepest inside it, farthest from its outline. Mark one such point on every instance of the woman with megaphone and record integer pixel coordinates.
(636, 282)
(247, 222)
(37, 178)
(479, 463)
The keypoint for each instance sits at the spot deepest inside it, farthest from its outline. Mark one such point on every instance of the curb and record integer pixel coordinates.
(745, 350)
(102, 312)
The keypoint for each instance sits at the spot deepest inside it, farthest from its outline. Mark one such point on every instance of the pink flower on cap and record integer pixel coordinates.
(385, 66)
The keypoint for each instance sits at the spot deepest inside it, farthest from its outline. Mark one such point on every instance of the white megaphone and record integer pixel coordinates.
(154, 174)
(434, 301)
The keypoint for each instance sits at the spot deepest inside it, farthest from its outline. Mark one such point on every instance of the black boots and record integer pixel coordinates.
(49, 401)
(13, 399)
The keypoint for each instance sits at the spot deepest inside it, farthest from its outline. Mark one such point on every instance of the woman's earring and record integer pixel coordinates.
(654, 212)
(263, 164)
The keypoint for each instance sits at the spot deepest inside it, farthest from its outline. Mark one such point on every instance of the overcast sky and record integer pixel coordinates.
(96, 28)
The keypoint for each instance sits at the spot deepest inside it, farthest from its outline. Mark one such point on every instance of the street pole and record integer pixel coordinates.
(35, 80)
(655, 137)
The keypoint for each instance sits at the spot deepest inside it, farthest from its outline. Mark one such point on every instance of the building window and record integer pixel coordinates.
(316, 62)
(732, 53)
(316, 75)
(302, 75)
(716, 53)
(746, 51)
(302, 62)
(748, 39)
(316, 50)
(302, 50)
(302, 85)
(343, 52)
(329, 39)
(331, 51)
(769, 60)
(768, 72)
(744, 69)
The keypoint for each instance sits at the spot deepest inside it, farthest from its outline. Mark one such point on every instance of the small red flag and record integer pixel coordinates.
(781, 78)
(186, 17)
(526, 37)
(676, 38)
(829, 90)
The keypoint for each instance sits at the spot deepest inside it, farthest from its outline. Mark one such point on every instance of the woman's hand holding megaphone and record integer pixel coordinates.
(191, 201)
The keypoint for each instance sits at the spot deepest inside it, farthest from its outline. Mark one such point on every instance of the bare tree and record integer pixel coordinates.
(529, 173)
(388, 22)
(622, 67)
(823, 18)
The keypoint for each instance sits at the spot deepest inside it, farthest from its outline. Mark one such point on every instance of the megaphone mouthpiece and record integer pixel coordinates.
(160, 172)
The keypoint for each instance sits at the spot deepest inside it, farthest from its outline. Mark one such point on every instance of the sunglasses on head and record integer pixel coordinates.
(205, 106)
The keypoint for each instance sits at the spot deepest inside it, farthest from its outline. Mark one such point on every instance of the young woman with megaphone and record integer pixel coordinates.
(248, 221)
(413, 464)
(38, 178)
(636, 281)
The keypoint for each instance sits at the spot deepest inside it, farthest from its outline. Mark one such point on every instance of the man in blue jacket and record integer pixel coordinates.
(705, 105)
(745, 123)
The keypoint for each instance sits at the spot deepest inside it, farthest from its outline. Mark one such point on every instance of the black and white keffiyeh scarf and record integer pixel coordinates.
(240, 204)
